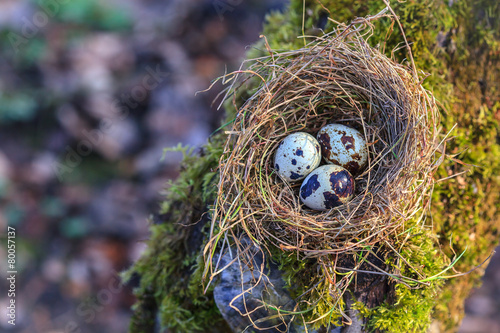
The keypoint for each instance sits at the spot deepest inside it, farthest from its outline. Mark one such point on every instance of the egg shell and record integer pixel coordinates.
(296, 156)
(327, 187)
(344, 146)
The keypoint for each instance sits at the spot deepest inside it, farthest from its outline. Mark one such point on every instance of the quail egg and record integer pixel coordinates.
(344, 146)
(297, 155)
(327, 187)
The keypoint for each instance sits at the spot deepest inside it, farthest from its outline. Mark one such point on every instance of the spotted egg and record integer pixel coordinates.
(327, 187)
(344, 146)
(296, 156)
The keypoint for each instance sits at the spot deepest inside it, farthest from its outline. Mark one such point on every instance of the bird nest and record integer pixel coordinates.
(338, 78)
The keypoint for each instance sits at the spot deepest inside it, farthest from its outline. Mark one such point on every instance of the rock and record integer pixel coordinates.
(243, 293)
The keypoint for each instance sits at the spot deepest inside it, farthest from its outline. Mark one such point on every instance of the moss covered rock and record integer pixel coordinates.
(458, 44)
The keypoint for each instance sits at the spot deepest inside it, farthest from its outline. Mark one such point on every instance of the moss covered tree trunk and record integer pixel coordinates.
(458, 44)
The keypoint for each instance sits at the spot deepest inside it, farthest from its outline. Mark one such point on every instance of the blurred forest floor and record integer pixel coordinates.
(91, 93)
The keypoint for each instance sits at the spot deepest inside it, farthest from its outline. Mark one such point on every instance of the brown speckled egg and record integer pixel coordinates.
(327, 187)
(296, 156)
(344, 146)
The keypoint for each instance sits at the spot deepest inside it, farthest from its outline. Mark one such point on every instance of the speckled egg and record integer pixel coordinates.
(344, 146)
(297, 155)
(327, 187)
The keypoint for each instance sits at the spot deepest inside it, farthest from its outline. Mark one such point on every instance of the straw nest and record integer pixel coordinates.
(338, 78)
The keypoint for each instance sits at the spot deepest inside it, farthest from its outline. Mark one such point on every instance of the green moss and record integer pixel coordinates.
(170, 271)
(409, 306)
(411, 309)
(311, 292)
(459, 45)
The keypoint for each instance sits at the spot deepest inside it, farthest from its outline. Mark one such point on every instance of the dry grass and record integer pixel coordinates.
(338, 78)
